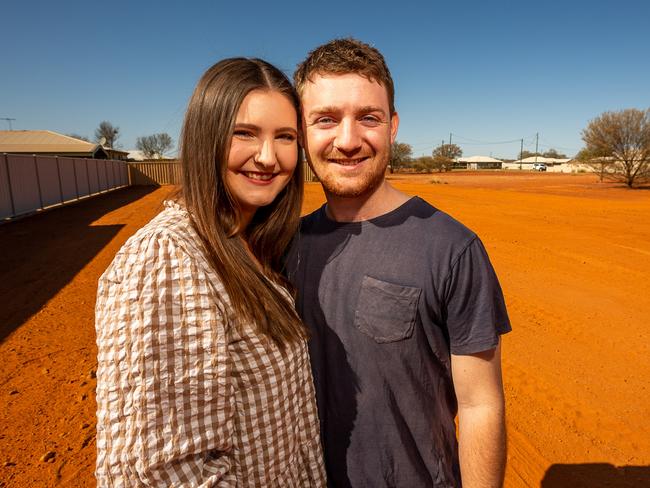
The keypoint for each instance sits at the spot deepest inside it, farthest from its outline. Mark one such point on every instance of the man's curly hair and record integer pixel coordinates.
(344, 56)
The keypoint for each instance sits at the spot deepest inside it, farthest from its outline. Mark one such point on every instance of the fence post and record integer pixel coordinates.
(74, 171)
(38, 182)
(11, 193)
(87, 176)
(58, 173)
(106, 175)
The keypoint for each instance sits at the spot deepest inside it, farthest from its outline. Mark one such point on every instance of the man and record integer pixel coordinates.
(404, 308)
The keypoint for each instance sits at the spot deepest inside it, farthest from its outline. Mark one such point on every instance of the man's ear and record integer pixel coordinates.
(394, 124)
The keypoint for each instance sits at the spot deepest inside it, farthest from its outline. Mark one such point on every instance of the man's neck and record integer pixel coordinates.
(382, 200)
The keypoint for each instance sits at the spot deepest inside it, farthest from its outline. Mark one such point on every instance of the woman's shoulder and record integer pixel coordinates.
(166, 234)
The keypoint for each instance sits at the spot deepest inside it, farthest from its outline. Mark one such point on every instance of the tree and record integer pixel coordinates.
(552, 153)
(444, 156)
(155, 145)
(107, 131)
(528, 154)
(400, 153)
(623, 139)
(423, 164)
(77, 136)
(600, 164)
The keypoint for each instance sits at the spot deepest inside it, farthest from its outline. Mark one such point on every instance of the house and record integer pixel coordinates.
(552, 164)
(45, 142)
(478, 162)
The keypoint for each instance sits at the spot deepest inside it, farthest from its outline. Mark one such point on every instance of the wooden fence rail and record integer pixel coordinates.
(169, 173)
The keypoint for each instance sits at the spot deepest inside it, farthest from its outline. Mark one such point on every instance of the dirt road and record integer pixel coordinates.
(573, 256)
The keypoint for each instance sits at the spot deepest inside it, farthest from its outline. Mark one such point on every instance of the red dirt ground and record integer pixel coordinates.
(573, 257)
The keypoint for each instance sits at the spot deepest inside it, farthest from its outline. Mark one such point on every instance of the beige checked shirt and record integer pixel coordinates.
(183, 399)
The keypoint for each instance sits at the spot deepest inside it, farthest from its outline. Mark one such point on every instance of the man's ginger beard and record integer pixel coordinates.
(364, 183)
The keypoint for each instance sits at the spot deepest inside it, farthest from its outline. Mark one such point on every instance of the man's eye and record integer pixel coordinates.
(370, 120)
(325, 120)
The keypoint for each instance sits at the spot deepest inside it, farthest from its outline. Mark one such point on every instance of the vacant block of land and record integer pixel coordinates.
(573, 257)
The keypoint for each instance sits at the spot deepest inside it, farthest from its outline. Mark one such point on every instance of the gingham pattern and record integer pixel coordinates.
(183, 398)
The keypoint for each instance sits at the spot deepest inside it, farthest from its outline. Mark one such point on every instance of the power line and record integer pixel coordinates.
(8, 119)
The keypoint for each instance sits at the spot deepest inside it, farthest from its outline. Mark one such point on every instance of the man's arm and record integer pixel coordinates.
(481, 418)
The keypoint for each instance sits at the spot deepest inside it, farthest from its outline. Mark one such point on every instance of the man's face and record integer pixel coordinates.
(348, 131)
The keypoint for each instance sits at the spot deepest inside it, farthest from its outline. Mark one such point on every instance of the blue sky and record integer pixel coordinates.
(487, 72)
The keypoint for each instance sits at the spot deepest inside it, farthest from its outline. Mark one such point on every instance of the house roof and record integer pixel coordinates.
(542, 159)
(479, 159)
(42, 141)
(45, 141)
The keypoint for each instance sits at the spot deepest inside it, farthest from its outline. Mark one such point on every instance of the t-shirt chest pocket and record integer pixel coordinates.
(386, 311)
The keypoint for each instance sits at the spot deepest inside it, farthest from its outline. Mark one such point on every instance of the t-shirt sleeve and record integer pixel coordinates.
(475, 309)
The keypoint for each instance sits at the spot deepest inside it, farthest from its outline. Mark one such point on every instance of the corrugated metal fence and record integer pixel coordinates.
(169, 173)
(29, 183)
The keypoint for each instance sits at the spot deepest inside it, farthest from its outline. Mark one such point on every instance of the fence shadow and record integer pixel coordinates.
(40, 254)
(600, 475)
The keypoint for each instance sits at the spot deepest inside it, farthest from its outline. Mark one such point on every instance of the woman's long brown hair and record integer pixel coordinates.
(215, 214)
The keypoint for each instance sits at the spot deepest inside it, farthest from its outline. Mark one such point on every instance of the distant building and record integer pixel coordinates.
(552, 164)
(50, 143)
(137, 155)
(478, 162)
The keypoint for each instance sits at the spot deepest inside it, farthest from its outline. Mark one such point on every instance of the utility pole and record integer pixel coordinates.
(8, 120)
(450, 138)
(521, 153)
(536, 145)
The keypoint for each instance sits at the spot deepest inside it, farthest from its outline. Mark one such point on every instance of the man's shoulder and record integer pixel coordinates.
(428, 222)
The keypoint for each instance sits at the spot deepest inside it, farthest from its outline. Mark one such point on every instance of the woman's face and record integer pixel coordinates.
(263, 150)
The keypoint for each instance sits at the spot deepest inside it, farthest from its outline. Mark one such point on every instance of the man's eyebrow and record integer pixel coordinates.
(372, 108)
(323, 110)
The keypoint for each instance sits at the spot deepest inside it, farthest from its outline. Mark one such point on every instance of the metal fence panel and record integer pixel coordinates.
(48, 178)
(68, 181)
(81, 174)
(24, 183)
(102, 173)
(111, 180)
(29, 182)
(93, 177)
(6, 205)
(124, 174)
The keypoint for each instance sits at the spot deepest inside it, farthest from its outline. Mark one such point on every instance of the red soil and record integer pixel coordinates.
(573, 257)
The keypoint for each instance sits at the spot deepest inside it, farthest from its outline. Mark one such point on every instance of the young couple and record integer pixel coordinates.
(205, 372)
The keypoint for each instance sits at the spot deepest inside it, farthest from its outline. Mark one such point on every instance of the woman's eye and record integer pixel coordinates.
(287, 137)
(243, 134)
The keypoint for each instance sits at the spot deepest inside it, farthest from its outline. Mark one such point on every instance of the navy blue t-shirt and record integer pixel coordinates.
(387, 301)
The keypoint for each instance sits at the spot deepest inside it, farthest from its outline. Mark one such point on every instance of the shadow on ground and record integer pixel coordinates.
(40, 254)
(600, 475)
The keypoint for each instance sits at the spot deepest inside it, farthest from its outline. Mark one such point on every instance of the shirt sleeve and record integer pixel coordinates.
(474, 306)
(164, 402)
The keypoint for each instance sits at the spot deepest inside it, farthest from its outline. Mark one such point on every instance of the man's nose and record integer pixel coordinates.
(348, 138)
(266, 153)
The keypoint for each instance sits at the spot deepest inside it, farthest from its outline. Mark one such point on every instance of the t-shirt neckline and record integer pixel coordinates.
(379, 220)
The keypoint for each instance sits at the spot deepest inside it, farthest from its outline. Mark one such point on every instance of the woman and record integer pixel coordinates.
(203, 375)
